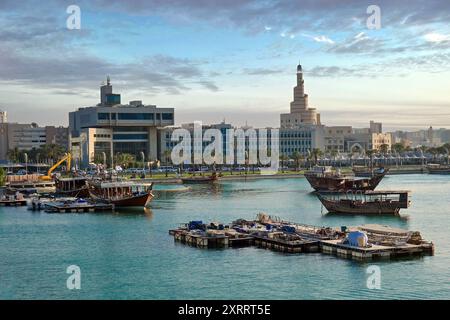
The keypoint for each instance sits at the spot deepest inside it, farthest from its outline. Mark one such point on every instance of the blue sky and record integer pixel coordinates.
(232, 60)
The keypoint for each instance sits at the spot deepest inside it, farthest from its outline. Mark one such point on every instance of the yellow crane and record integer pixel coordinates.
(48, 177)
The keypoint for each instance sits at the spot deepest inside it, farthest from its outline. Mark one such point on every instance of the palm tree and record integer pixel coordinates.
(2, 177)
(384, 148)
(316, 154)
(124, 159)
(370, 153)
(167, 154)
(283, 158)
(53, 152)
(297, 156)
(398, 147)
(13, 155)
(334, 153)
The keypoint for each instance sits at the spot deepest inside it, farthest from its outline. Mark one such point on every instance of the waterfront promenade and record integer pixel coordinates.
(288, 174)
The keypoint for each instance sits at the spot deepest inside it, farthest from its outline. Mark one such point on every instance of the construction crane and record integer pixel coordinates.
(48, 177)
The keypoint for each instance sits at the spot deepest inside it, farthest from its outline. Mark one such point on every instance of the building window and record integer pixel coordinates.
(132, 136)
(167, 116)
(135, 116)
(103, 116)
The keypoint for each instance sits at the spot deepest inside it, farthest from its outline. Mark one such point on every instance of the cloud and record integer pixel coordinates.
(260, 71)
(209, 85)
(154, 74)
(436, 37)
(323, 39)
(252, 15)
(335, 71)
(358, 44)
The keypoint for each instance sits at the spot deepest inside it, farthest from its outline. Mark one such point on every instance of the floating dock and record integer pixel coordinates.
(366, 242)
(77, 208)
(13, 203)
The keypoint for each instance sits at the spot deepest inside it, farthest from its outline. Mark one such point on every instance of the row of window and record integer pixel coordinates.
(130, 136)
(296, 135)
(296, 143)
(292, 150)
(98, 135)
(134, 116)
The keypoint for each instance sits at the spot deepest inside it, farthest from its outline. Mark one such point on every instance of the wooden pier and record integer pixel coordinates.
(13, 203)
(71, 208)
(378, 242)
(375, 251)
(205, 240)
(287, 246)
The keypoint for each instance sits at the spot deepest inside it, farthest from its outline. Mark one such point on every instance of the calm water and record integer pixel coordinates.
(130, 255)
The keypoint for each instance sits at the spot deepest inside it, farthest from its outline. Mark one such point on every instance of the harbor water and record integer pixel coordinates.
(130, 255)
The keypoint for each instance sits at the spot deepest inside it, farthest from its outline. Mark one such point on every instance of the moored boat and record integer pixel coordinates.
(438, 169)
(367, 202)
(367, 172)
(121, 193)
(72, 187)
(324, 179)
(201, 179)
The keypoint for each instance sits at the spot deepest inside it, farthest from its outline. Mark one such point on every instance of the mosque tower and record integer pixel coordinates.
(300, 112)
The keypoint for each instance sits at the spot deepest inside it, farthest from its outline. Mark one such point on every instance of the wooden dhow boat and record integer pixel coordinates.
(121, 193)
(72, 187)
(324, 179)
(368, 172)
(201, 179)
(365, 202)
(438, 169)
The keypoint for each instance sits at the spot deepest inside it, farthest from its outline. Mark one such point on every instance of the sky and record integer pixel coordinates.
(231, 60)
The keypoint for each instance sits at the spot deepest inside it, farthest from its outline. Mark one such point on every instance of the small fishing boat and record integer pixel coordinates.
(325, 179)
(367, 172)
(365, 202)
(201, 179)
(438, 169)
(121, 193)
(72, 187)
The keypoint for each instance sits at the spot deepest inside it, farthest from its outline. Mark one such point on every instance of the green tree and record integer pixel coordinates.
(297, 156)
(124, 159)
(2, 177)
(370, 154)
(283, 159)
(398, 147)
(166, 159)
(13, 155)
(384, 148)
(52, 152)
(316, 154)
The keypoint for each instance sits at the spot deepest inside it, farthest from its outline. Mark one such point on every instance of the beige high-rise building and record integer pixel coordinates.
(300, 112)
(3, 117)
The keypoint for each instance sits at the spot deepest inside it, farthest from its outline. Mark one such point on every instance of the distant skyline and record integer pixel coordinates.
(234, 60)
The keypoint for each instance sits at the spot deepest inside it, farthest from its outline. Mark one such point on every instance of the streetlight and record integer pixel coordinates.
(143, 160)
(25, 155)
(104, 159)
(143, 164)
(38, 155)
